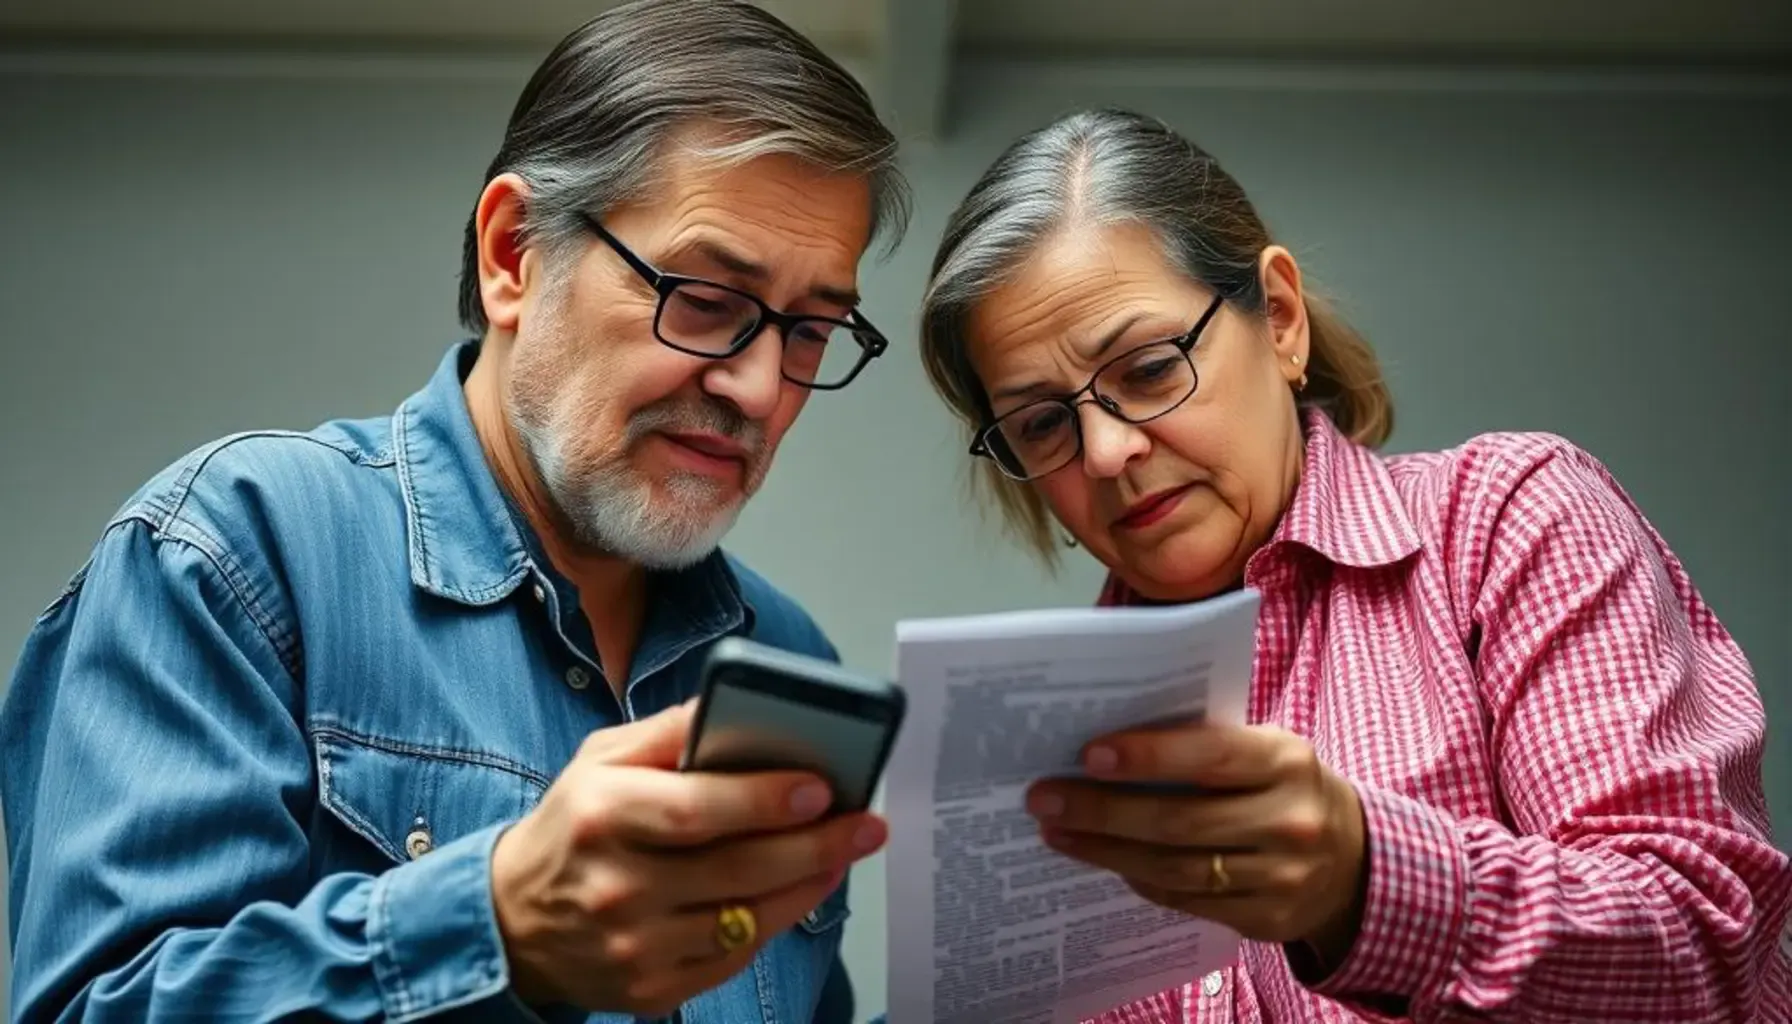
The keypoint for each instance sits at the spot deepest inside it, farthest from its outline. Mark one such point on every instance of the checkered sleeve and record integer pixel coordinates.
(1638, 880)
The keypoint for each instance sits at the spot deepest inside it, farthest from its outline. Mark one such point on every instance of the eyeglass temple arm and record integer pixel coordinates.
(639, 265)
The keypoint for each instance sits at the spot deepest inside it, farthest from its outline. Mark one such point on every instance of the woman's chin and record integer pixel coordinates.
(1188, 566)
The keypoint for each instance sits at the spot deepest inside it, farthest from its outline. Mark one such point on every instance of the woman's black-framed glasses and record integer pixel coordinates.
(1140, 385)
(703, 318)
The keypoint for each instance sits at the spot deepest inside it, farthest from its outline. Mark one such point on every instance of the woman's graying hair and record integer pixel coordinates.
(590, 128)
(1104, 167)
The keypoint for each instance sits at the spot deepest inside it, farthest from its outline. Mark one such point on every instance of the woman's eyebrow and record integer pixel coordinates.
(1093, 354)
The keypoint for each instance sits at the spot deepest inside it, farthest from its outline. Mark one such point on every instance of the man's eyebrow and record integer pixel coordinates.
(735, 263)
(1100, 349)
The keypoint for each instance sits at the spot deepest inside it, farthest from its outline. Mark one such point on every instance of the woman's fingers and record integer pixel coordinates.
(1218, 874)
(1208, 756)
(1266, 819)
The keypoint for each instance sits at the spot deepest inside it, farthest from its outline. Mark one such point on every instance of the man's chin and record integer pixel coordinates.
(675, 532)
(666, 521)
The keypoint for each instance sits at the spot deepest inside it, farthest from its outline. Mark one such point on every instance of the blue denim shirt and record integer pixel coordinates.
(257, 754)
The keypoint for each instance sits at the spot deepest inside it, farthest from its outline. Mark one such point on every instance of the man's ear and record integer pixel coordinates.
(1286, 307)
(505, 269)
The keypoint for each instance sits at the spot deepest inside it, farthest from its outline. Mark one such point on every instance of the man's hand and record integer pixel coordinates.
(607, 894)
(1285, 832)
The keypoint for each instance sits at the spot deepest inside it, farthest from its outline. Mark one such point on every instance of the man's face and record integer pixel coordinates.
(649, 453)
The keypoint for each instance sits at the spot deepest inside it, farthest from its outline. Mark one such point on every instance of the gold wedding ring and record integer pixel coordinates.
(1220, 880)
(736, 927)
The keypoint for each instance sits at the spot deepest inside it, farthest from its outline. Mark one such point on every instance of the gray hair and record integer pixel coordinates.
(1098, 167)
(590, 127)
(1104, 167)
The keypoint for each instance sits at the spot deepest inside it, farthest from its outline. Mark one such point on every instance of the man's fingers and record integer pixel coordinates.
(656, 741)
(1205, 755)
(654, 808)
(696, 930)
(691, 938)
(757, 868)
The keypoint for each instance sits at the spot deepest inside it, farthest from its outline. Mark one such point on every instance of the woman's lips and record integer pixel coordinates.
(1151, 508)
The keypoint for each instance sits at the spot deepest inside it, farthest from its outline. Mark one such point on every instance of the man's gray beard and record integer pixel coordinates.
(613, 508)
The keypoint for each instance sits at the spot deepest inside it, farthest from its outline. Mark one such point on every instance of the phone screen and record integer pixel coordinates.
(747, 730)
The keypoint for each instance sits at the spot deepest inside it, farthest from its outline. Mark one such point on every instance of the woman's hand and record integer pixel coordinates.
(1267, 840)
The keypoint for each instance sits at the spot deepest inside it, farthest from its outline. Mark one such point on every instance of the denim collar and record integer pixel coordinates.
(467, 541)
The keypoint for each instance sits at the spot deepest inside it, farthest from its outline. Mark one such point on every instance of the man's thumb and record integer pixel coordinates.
(656, 741)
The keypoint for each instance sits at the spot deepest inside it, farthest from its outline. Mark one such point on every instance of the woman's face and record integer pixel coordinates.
(1175, 505)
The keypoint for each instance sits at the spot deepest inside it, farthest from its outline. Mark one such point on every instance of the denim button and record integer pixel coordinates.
(418, 842)
(578, 678)
(540, 594)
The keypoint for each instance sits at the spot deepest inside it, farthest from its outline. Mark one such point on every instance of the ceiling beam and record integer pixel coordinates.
(917, 65)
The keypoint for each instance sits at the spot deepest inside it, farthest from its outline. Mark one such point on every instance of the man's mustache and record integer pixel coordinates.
(709, 416)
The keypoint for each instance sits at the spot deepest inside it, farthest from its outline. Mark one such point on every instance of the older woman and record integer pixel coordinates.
(1503, 760)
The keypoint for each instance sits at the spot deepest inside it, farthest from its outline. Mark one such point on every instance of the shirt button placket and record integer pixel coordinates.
(419, 841)
(1215, 1007)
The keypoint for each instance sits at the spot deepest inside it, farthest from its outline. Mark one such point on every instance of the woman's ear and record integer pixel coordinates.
(502, 258)
(1285, 306)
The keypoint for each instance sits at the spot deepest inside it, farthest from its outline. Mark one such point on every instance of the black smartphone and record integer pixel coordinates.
(763, 708)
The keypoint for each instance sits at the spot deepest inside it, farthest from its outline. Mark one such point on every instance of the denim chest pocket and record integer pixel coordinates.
(408, 799)
(829, 915)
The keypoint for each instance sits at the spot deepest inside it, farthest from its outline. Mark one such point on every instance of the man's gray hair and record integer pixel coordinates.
(589, 129)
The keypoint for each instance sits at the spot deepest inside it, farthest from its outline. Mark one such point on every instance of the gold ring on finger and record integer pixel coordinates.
(736, 927)
(1220, 880)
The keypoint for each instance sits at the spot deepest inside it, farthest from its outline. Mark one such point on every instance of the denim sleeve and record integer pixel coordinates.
(157, 787)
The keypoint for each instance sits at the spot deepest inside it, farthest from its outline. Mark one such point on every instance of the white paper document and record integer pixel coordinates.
(987, 925)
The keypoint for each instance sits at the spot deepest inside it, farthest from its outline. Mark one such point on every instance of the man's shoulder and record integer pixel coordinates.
(778, 618)
(239, 482)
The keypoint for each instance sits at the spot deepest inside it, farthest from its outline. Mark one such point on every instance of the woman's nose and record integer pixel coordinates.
(1109, 442)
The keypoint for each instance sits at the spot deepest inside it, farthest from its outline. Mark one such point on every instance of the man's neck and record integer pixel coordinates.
(615, 586)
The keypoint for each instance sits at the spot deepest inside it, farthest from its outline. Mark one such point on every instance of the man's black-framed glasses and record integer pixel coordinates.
(703, 318)
(1043, 436)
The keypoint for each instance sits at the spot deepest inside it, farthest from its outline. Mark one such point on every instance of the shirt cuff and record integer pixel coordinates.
(434, 933)
(1413, 915)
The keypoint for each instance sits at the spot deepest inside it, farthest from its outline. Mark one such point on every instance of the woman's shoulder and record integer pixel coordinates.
(1515, 519)
(1505, 487)
(1497, 464)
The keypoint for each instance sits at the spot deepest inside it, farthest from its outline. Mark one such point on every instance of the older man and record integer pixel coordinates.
(380, 720)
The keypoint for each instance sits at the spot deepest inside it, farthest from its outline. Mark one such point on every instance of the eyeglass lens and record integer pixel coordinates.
(1042, 437)
(711, 320)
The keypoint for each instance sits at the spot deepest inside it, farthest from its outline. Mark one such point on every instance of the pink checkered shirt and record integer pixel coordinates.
(1556, 743)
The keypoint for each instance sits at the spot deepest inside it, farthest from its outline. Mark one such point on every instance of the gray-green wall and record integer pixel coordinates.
(188, 254)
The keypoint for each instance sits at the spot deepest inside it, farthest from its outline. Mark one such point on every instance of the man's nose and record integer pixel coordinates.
(753, 379)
